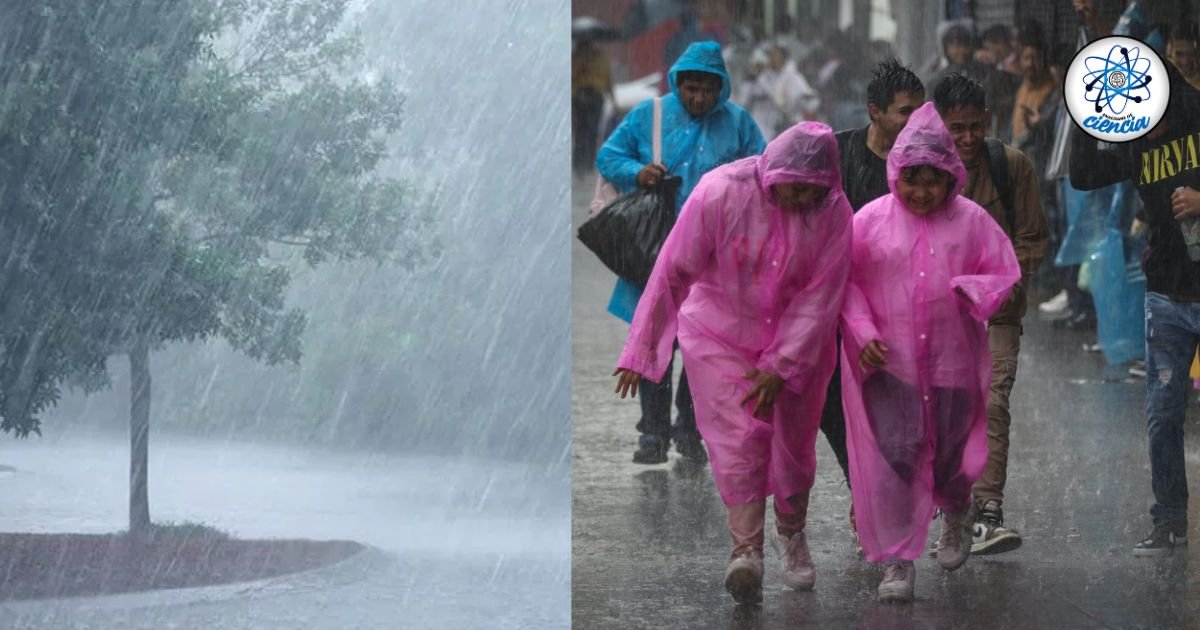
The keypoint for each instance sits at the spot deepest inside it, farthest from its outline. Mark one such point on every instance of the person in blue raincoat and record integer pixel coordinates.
(701, 130)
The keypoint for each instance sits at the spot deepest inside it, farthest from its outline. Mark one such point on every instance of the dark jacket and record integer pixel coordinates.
(1156, 167)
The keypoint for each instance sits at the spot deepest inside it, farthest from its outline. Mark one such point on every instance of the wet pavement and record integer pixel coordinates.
(455, 542)
(649, 543)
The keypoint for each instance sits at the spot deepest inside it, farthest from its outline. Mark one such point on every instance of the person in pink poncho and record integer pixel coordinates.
(929, 267)
(752, 278)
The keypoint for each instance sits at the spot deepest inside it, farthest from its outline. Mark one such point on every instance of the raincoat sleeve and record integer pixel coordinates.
(751, 136)
(683, 257)
(858, 326)
(619, 160)
(1093, 167)
(996, 270)
(811, 316)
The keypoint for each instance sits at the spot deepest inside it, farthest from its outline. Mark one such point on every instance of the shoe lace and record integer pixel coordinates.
(798, 554)
(895, 572)
(952, 536)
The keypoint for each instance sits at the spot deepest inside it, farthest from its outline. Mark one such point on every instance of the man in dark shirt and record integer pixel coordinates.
(893, 94)
(1164, 167)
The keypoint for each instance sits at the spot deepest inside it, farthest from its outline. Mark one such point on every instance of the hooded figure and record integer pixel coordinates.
(777, 94)
(691, 145)
(751, 279)
(923, 284)
(701, 130)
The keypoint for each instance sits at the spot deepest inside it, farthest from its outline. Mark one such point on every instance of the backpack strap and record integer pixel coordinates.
(998, 166)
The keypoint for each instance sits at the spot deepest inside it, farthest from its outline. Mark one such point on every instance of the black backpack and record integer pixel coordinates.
(998, 165)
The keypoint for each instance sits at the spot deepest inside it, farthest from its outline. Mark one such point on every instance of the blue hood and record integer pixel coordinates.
(702, 57)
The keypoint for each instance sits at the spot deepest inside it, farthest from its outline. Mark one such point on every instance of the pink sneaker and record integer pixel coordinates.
(897, 584)
(798, 572)
(743, 578)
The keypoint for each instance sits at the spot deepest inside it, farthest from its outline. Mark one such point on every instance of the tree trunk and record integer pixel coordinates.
(139, 439)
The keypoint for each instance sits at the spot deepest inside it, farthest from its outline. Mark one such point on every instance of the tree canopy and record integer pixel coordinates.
(156, 158)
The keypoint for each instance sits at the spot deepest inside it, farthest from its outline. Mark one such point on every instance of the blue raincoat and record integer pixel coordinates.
(1118, 286)
(691, 146)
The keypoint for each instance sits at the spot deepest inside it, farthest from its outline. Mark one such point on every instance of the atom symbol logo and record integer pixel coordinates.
(1115, 80)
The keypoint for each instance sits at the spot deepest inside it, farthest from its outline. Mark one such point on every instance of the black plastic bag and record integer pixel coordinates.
(628, 233)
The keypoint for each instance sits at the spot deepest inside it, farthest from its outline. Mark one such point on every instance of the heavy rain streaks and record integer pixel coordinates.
(255, 233)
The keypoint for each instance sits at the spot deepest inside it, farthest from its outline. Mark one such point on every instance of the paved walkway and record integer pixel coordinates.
(650, 545)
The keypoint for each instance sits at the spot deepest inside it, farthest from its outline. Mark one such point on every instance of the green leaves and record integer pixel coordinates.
(156, 161)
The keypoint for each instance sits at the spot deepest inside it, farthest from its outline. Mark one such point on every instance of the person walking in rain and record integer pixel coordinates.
(1168, 182)
(893, 94)
(929, 268)
(701, 130)
(752, 278)
(777, 95)
(591, 81)
(961, 103)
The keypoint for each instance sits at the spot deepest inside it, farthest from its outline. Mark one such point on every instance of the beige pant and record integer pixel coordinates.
(746, 523)
(1005, 344)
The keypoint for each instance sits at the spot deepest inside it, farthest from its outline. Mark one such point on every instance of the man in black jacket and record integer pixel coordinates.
(893, 94)
(1165, 168)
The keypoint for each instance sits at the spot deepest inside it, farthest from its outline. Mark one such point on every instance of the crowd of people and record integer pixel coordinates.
(862, 270)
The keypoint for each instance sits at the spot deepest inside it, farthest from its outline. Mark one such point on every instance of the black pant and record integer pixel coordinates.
(586, 105)
(894, 412)
(655, 425)
(833, 420)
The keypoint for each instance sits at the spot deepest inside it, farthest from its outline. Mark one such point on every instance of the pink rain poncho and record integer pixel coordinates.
(917, 428)
(748, 285)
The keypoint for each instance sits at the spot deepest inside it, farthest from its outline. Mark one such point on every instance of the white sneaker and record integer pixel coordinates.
(798, 572)
(743, 578)
(1137, 368)
(954, 545)
(989, 535)
(897, 584)
(1056, 304)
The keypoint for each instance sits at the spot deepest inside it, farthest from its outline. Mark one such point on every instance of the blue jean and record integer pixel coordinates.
(1172, 332)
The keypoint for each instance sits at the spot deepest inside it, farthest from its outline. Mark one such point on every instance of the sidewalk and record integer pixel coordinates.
(650, 545)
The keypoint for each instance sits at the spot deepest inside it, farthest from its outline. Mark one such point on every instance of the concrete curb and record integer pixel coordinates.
(366, 562)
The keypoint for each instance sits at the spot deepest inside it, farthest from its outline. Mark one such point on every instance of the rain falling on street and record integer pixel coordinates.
(258, 236)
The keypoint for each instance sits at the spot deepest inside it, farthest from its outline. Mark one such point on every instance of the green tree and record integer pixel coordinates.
(156, 161)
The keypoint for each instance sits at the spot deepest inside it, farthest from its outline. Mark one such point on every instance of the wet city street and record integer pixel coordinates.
(453, 542)
(649, 543)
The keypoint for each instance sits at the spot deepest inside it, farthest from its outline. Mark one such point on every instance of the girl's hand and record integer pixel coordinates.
(873, 356)
(627, 382)
(766, 387)
(1185, 203)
